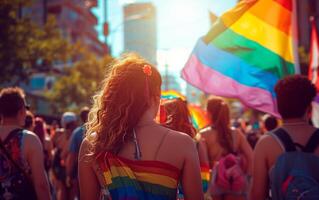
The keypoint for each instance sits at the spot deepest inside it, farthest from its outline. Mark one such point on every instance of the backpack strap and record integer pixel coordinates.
(7, 154)
(312, 143)
(285, 139)
(11, 135)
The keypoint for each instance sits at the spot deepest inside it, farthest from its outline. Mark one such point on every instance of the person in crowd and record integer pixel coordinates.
(269, 123)
(21, 167)
(178, 118)
(53, 128)
(125, 153)
(229, 154)
(62, 141)
(290, 148)
(252, 137)
(29, 121)
(41, 131)
(74, 148)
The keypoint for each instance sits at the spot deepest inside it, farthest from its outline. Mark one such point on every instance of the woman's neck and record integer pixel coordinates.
(146, 119)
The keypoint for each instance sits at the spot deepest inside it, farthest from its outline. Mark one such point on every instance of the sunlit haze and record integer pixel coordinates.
(179, 24)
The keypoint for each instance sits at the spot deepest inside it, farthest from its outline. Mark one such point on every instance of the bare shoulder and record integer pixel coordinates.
(85, 149)
(266, 145)
(179, 138)
(208, 133)
(31, 139)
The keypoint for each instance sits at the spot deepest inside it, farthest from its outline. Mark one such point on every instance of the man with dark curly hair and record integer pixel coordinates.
(294, 96)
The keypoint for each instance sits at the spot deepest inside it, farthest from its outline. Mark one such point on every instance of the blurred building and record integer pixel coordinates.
(74, 18)
(140, 30)
(194, 95)
(77, 23)
(170, 82)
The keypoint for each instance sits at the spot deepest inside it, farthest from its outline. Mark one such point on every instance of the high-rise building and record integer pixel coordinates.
(140, 30)
(77, 23)
(74, 18)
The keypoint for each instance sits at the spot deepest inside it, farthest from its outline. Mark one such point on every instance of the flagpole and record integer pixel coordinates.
(295, 37)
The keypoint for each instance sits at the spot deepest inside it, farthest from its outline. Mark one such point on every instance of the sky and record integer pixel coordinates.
(180, 23)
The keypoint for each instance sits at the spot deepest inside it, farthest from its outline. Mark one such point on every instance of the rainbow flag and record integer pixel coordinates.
(245, 53)
(199, 116)
(172, 94)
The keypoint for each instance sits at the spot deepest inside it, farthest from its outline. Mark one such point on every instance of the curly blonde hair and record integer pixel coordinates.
(117, 108)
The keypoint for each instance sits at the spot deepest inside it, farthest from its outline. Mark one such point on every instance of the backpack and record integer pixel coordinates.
(295, 174)
(229, 173)
(15, 182)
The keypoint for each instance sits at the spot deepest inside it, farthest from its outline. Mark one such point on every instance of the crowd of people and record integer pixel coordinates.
(117, 150)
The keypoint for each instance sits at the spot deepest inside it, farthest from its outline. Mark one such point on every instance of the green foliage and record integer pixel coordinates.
(83, 79)
(27, 47)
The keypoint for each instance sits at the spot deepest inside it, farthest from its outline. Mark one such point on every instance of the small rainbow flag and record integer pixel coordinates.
(245, 53)
(171, 94)
(199, 116)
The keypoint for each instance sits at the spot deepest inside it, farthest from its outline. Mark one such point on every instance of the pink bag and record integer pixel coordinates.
(230, 175)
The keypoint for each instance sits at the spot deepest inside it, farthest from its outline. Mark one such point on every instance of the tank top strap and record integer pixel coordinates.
(160, 144)
(138, 153)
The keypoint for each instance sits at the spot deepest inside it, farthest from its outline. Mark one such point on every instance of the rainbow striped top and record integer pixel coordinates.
(138, 179)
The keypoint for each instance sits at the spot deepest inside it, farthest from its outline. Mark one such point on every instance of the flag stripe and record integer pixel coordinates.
(257, 30)
(285, 3)
(171, 94)
(243, 48)
(234, 67)
(227, 19)
(277, 12)
(222, 85)
(199, 116)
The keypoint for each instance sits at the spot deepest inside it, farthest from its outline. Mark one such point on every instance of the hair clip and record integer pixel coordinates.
(147, 70)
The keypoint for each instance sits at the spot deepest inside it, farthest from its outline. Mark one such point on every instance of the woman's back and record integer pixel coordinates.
(157, 174)
(215, 149)
(131, 150)
(157, 143)
(154, 176)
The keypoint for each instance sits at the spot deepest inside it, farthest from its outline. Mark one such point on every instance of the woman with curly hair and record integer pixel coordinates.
(126, 154)
(178, 116)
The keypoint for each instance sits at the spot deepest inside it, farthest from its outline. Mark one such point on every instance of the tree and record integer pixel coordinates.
(25, 46)
(83, 79)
